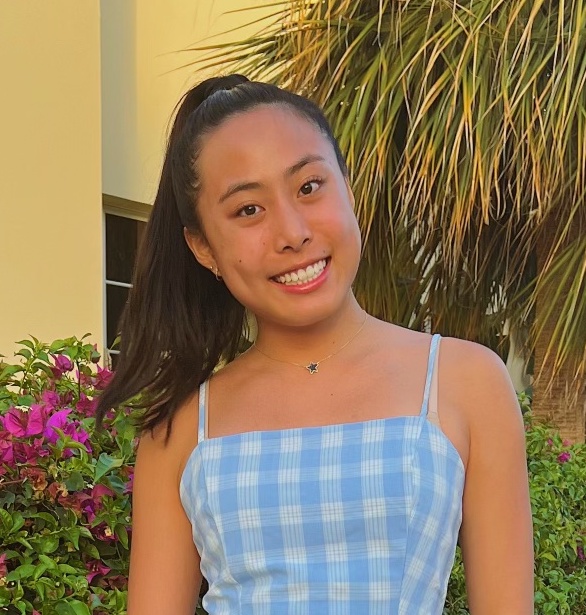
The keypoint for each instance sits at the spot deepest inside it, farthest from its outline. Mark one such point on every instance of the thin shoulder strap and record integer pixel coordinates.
(202, 425)
(430, 392)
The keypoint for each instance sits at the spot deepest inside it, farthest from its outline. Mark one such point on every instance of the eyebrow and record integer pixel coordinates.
(289, 171)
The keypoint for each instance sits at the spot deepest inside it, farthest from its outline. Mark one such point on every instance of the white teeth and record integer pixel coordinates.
(302, 276)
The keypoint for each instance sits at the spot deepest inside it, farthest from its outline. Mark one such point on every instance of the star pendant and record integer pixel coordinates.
(312, 368)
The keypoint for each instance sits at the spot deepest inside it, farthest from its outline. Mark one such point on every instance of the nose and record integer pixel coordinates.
(290, 226)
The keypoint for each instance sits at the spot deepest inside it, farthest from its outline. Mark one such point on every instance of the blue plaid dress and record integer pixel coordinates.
(349, 519)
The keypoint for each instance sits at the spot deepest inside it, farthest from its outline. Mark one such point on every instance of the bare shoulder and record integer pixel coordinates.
(172, 451)
(476, 380)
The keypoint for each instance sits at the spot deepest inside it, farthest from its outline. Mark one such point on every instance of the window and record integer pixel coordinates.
(122, 236)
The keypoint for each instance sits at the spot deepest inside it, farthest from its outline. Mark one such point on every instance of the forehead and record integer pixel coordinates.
(257, 142)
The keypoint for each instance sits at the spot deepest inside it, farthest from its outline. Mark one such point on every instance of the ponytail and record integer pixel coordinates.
(179, 321)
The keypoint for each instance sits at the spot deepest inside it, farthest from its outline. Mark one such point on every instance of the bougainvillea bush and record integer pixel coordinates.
(64, 487)
(557, 475)
(65, 494)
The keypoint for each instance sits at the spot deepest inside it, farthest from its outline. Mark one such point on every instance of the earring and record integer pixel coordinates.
(216, 273)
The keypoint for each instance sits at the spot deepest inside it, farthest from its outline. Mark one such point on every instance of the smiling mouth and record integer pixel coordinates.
(302, 276)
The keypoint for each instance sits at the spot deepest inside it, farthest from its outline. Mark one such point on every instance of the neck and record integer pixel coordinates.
(302, 344)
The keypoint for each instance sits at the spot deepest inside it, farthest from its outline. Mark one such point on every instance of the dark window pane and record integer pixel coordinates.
(123, 237)
(115, 301)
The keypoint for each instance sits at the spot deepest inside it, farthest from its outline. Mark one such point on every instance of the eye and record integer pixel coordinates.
(310, 186)
(248, 210)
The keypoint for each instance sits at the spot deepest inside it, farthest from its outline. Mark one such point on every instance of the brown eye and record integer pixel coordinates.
(310, 187)
(248, 210)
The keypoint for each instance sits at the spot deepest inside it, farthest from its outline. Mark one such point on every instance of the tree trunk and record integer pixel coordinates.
(561, 404)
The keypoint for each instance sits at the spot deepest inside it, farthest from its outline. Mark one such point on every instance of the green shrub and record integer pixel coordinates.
(65, 495)
(557, 475)
(64, 487)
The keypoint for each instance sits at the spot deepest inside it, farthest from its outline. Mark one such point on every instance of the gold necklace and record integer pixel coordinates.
(313, 366)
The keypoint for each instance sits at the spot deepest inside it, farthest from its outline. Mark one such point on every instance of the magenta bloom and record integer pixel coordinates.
(580, 553)
(96, 567)
(23, 424)
(30, 453)
(63, 363)
(50, 399)
(102, 378)
(564, 457)
(129, 485)
(86, 406)
(3, 567)
(6, 449)
(58, 420)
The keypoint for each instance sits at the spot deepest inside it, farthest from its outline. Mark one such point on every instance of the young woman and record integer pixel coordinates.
(333, 466)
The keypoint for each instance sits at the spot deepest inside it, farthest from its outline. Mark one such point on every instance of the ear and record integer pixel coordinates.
(201, 249)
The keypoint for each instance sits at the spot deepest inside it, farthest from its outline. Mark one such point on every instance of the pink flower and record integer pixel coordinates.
(6, 449)
(86, 406)
(102, 378)
(56, 421)
(104, 533)
(565, 456)
(549, 442)
(62, 364)
(23, 424)
(100, 491)
(130, 484)
(83, 379)
(3, 567)
(50, 399)
(96, 567)
(580, 553)
(30, 453)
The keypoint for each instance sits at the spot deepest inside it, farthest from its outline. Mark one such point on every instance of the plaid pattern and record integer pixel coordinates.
(349, 519)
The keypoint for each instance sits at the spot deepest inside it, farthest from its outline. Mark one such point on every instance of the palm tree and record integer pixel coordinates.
(464, 125)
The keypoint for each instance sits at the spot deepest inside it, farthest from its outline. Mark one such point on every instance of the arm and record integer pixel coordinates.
(164, 565)
(497, 534)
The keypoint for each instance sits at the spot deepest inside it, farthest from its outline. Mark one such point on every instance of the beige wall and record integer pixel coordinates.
(50, 182)
(143, 52)
(87, 91)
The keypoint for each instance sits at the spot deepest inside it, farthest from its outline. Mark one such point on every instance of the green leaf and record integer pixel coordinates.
(57, 345)
(25, 571)
(26, 400)
(78, 608)
(67, 569)
(25, 543)
(122, 534)
(43, 356)
(48, 543)
(5, 522)
(75, 482)
(26, 343)
(49, 520)
(10, 370)
(105, 464)
(24, 352)
(39, 571)
(50, 563)
(17, 522)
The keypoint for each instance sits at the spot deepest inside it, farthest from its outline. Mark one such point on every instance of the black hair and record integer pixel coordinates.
(180, 322)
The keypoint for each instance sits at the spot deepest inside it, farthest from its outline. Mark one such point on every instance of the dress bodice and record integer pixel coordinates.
(339, 519)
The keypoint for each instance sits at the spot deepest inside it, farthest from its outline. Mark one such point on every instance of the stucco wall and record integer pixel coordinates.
(50, 179)
(143, 77)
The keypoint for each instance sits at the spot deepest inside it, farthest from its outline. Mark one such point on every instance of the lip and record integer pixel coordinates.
(300, 289)
(303, 265)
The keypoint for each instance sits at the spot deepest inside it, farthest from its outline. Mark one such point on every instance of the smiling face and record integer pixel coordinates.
(277, 215)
